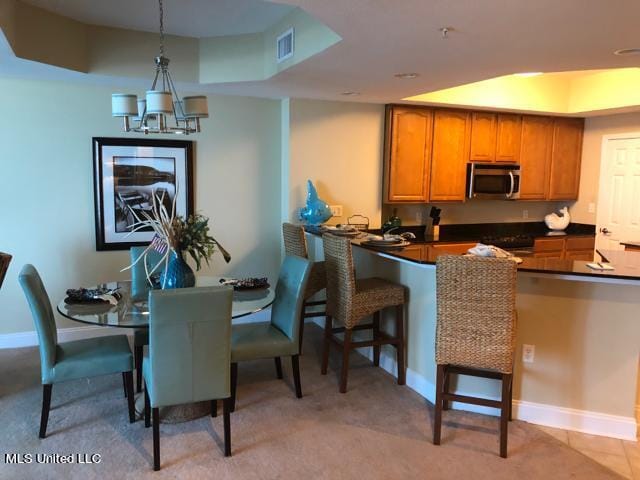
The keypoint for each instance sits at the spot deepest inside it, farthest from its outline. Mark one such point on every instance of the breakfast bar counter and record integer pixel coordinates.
(583, 323)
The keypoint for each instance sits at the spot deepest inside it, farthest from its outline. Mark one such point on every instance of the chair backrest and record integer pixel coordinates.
(295, 242)
(139, 284)
(5, 260)
(476, 304)
(287, 305)
(189, 344)
(42, 317)
(341, 278)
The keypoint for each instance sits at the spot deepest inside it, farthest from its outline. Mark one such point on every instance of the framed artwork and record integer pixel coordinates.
(127, 172)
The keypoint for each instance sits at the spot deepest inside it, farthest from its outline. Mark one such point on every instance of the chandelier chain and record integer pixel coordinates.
(161, 28)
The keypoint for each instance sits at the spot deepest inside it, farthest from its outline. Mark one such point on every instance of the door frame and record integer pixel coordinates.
(601, 174)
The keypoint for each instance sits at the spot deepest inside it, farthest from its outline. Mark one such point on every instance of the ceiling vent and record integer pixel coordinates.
(284, 46)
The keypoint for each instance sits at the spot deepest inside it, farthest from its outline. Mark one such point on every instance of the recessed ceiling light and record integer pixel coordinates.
(350, 94)
(627, 51)
(528, 74)
(406, 76)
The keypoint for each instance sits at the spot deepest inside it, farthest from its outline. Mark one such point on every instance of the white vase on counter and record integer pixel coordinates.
(558, 222)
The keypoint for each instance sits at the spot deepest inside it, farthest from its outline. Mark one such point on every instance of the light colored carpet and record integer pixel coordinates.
(377, 430)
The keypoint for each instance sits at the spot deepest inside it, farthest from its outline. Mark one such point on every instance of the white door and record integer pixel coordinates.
(618, 217)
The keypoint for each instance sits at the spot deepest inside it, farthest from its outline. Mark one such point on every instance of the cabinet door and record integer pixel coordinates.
(483, 137)
(438, 249)
(414, 252)
(586, 255)
(451, 135)
(508, 138)
(409, 158)
(566, 155)
(535, 157)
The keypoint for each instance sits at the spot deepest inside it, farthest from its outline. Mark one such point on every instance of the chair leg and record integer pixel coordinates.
(226, 412)
(400, 345)
(437, 418)
(234, 383)
(445, 389)
(326, 345)
(156, 439)
(295, 366)
(301, 332)
(128, 380)
(147, 407)
(376, 336)
(214, 408)
(511, 399)
(345, 360)
(278, 368)
(46, 406)
(504, 413)
(124, 385)
(138, 353)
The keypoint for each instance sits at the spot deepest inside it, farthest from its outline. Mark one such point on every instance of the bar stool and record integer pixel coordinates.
(295, 244)
(350, 301)
(476, 331)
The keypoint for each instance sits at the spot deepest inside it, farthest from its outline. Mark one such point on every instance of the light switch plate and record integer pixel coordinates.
(592, 207)
(528, 353)
(336, 210)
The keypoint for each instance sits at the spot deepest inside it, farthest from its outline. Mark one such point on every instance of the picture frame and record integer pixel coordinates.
(127, 172)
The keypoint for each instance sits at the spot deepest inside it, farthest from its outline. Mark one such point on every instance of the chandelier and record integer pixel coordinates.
(152, 114)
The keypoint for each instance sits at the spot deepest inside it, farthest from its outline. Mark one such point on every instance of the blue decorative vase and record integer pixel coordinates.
(178, 273)
(315, 211)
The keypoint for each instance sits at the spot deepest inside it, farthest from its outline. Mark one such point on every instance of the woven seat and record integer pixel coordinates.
(351, 301)
(5, 260)
(476, 330)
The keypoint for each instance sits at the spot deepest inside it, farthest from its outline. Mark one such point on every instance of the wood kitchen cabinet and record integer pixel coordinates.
(451, 135)
(408, 159)
(569, 248)
(566, 155)
(535, 157)
(509, 128)
(483, 137)
(435, 250)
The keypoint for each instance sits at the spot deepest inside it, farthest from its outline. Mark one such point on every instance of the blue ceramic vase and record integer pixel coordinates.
(315, 211)
(178, 273)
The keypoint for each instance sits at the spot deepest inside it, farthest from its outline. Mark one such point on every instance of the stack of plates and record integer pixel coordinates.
(343, 231)
(387, 242)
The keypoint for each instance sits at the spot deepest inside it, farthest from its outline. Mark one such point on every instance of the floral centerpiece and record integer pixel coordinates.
(175, 236)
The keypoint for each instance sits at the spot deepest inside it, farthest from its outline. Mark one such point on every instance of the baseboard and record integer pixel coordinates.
(30, 339)
(583, 421)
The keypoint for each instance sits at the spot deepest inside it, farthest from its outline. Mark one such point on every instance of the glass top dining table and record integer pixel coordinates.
(135, 314)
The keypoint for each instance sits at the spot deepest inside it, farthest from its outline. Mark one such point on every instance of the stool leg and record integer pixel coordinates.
(345, 360)
(445, 389)
(400, 345)
(156, 438)
(326, 345)
(295, 366)
(234, 384)
(226, 420)
(278, 368)
(376, 336)
(511, 399)
(504, 413)
(437, 418)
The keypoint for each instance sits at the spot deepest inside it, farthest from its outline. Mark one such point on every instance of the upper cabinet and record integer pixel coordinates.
(566, 156)
(535, 157)
(427, 151)
(451, 135)
(408, 157)
(495, 137)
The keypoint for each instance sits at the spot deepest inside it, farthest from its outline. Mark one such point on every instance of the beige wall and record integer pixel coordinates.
(595, 129)
(46, 199)
(338, 145)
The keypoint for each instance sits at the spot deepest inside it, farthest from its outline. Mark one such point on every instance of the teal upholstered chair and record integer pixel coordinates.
(139, 292)
(61, 362)
(281, 336)
(189, 354)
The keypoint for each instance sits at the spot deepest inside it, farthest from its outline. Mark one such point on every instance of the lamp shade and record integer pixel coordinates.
(159, 102)
(142, 104)
(123, 105)
(196, 106)
(178, 108)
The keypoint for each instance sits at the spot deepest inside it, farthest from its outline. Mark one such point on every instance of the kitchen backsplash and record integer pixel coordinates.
(475, 211)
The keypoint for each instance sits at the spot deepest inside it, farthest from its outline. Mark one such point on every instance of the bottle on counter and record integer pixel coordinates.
(393, 221)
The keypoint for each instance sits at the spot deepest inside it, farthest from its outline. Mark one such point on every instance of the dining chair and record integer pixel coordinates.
(61, 362)
(279, 337)
(475, 332)
(295, 243)
(189, 354)
(350, 301)
(139, 292)
(5, 260)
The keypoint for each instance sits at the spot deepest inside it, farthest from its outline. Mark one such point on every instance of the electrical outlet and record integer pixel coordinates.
(525, 214)
(528, 353)
(336, 210)
(592, 207)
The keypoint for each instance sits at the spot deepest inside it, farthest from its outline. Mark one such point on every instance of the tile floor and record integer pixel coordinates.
(623, 457)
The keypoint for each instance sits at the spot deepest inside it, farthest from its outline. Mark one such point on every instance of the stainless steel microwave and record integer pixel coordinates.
(493, 181)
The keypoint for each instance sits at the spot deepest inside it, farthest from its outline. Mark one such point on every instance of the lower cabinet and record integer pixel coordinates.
(569, 248)
(434, 251)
